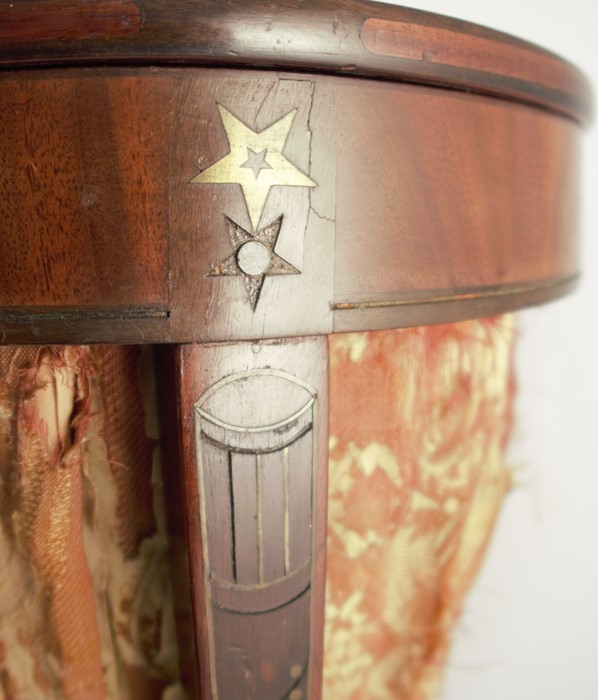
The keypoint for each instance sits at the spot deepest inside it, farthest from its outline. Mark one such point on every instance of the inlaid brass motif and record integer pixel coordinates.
(255, 162)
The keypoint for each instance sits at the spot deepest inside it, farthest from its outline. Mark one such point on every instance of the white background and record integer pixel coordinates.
(530, 628)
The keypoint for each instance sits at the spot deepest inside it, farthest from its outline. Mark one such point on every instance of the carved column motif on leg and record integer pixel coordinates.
(255, 453)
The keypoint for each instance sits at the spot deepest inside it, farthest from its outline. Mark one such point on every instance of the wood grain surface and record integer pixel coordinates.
(181, 548)
(350, 37)
(410, 204)
(253, 430)
(33, 21)
(82, 197)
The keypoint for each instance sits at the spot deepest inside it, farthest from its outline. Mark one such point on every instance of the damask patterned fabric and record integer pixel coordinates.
(419, 421)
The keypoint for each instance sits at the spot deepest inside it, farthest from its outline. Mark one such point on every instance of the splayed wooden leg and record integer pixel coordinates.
(253, 433)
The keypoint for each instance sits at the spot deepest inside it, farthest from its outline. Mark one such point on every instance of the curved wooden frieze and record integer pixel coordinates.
(197, 205)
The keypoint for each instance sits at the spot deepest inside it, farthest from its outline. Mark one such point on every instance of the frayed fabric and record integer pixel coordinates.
(85, 606)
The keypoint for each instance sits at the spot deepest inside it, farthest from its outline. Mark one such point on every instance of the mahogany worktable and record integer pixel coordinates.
(237, 180)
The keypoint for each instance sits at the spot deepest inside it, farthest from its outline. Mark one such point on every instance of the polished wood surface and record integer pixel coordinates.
(82, 197)
(350, 37)
(424, 205)
(251, 177)
(253, 423)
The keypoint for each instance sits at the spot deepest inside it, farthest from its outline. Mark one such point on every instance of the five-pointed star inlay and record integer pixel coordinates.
(255, 162)
(253, 257)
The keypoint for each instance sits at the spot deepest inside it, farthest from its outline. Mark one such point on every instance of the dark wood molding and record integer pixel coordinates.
(351, 37)
(32, 21)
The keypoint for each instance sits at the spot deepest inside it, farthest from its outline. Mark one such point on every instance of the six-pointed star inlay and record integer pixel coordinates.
(253, 257)
(255, 162)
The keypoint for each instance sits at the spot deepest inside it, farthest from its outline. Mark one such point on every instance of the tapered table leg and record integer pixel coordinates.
(253, 433)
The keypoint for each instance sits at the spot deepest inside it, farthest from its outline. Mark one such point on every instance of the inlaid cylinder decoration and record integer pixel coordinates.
(256, 479)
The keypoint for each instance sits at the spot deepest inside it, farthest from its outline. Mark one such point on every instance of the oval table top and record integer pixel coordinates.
(195, 172)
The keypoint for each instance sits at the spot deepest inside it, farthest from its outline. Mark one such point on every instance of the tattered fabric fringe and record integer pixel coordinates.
(85, 602)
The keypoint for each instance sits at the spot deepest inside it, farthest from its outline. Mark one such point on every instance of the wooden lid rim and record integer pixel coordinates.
(348, 37)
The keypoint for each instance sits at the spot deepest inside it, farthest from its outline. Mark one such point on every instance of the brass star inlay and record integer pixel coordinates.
(255, 162)
(253, 258)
